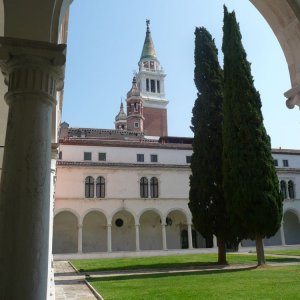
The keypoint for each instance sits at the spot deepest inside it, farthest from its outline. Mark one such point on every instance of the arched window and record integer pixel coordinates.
(100, 187)
(144, 187)
(283, 189)
(154, 187)
(291, 189)
(89, 187)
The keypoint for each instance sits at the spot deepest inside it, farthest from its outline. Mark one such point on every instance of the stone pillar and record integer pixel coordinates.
(80, 238)
(137, 237)
(190, 236)
(282, 234)
(51, 283)
(215, 242)
(109, 249)
(164, 236)
(33, 72)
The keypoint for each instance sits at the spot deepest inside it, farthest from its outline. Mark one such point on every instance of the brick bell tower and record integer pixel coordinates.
(135, 118)
(150, 82)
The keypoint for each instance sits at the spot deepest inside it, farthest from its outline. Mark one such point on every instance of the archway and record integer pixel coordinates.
(65, 233)
(291, 227)
(123, 231)
(150, 231)
(94, 232)
(176, 222)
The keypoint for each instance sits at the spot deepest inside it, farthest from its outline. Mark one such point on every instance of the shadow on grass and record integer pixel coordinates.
(163, 275)
(282, 259)
(178, 265)
(159, 266)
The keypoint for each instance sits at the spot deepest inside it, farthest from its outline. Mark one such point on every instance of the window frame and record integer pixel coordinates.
(285, 162)
(85, 156)
(291, 189)
(283, 189)
(100, 187)
(154, 187)
(89, 186)
(188, 159)
(102, 154)
(153, 158)
(140, 157)
(144, 187)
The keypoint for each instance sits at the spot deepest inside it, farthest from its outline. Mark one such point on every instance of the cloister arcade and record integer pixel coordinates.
(97, 231)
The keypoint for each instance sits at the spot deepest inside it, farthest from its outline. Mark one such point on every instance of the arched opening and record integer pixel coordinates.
(65, 233)
(123, 231)
(291, 227)
(94, 232)
(176, 222)
(150, 231)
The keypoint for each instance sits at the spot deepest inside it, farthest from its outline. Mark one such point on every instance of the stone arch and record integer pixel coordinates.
(123, 231)
(150, 230)
(110, 217)
(94, 232)
(65, 232)
(176, 222)
(291, 225)
(283, 18)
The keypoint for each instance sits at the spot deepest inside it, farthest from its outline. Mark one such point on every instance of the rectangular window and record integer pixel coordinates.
(147, 85)
(87, 156)
(136, 125)
(102, 156)
(275, 162)
(188, 159)
(152, 86)
(158, 86)
(140, 157)
(285, 163)
(60, 155)
(153, 157)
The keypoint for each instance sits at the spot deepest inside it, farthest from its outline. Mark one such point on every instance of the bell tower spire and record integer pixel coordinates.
(150, 80)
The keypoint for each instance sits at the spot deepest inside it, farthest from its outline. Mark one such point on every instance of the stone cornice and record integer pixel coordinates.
(121, 165)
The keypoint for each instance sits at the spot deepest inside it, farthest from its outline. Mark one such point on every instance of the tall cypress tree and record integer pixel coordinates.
(251, 188)
(206, 192)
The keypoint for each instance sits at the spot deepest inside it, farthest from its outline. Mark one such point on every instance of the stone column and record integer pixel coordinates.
(215, 242)
(51, 283)
(137, 237)
(282, 234)
(109, 249)
(164, 236)
(190, 236)
(80, 238)
(33, 72)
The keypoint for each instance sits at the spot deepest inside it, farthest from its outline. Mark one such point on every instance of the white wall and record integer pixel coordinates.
(125, 154)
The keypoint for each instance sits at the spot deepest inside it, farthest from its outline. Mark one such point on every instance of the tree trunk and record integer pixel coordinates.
(221, 251)
(260, 251)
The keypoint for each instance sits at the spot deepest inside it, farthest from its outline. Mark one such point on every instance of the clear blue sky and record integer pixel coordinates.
(105, 43)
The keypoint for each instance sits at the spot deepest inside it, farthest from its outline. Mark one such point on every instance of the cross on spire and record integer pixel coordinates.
(148, 23)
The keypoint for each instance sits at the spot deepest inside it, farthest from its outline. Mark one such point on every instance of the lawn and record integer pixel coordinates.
(172, 261)
(293, 252)
(262, 283)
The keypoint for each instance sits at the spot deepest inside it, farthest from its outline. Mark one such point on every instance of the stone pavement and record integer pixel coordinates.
(69, 285)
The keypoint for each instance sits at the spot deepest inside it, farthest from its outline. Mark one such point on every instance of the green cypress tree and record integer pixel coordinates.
(206, 192)
(251, 188)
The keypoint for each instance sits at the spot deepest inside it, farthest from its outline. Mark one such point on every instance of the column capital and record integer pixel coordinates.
(32, 67)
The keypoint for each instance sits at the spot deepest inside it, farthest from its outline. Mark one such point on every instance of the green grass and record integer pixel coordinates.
(293, 252)
(174, 261)
(269, 283)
